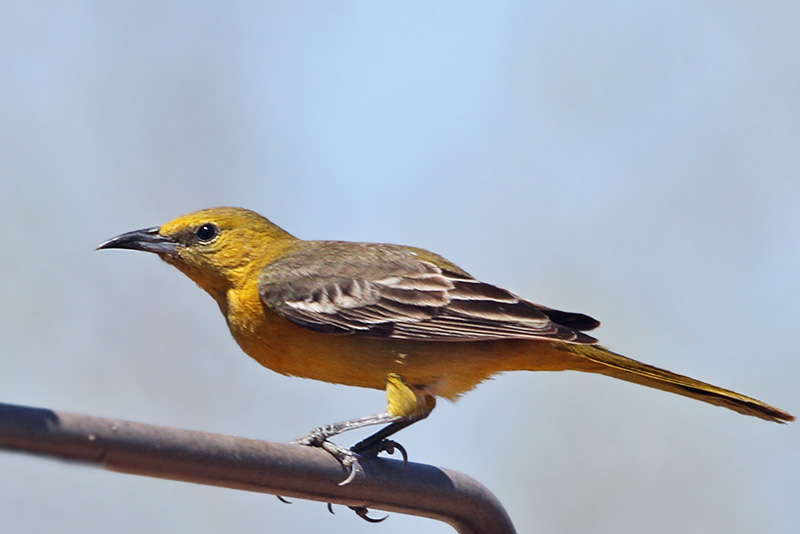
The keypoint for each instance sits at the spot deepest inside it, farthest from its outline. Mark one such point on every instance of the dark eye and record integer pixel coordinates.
(206, 232)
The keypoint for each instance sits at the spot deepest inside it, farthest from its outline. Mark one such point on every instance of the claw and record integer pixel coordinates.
(350, 463)
(284, 501)
(346, 457)
(363, 513)
(389, 446)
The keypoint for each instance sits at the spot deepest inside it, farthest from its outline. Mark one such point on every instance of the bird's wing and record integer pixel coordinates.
(390, 291)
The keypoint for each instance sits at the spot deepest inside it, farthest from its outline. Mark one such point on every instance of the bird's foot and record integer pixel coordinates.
(349, 460)
(349, 457)
(384, 445)
(346, 457)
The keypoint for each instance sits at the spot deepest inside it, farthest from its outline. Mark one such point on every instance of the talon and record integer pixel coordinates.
(389, 446)
(354, 468)
(330, 508)
(346, 457)
(284, 501)
(363, 513)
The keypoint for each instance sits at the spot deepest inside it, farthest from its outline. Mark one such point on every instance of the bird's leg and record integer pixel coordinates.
(379, 442)
(316, 437)
(349, 457)
(319, 438)
(405, 407)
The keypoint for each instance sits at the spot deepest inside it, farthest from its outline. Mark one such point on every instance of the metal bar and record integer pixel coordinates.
(261, 466)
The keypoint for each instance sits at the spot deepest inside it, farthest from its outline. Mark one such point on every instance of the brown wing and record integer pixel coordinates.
(390, 291)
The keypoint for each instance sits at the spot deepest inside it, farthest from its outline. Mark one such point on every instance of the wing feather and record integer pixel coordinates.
(389, 291)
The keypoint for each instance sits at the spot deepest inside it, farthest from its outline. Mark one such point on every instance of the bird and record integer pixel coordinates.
(383, 316)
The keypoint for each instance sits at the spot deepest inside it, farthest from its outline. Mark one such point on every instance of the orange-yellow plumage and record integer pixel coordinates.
(369, 315)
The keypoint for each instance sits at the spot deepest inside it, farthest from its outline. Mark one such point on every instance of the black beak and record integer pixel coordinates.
(148, 240)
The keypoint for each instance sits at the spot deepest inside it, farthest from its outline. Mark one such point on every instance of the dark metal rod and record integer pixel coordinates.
(239, 463)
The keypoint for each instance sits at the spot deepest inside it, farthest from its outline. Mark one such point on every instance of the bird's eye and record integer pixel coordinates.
(207, 232)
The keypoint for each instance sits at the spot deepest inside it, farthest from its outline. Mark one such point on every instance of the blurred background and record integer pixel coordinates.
(635, 161)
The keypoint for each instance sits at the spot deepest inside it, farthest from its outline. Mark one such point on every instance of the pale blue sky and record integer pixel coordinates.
(636, 161)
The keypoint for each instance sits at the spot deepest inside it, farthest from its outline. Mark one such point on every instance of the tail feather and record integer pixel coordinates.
(618, 366)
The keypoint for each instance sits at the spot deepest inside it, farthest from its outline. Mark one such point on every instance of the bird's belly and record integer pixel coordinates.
(445, 369)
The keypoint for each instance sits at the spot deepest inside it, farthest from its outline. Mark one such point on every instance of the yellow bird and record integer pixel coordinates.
(386, 317)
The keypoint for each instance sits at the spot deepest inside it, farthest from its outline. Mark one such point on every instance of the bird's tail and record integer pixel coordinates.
(605, 362)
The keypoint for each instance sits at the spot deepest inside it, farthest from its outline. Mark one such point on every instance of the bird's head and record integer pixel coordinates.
(218, 248)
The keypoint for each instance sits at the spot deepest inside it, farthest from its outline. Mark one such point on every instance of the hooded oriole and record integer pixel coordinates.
(385, 316)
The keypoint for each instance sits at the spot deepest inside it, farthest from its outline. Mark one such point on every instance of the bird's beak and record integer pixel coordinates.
(148, 240)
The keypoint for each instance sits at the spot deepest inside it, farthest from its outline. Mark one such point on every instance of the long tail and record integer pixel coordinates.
(618, 366)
